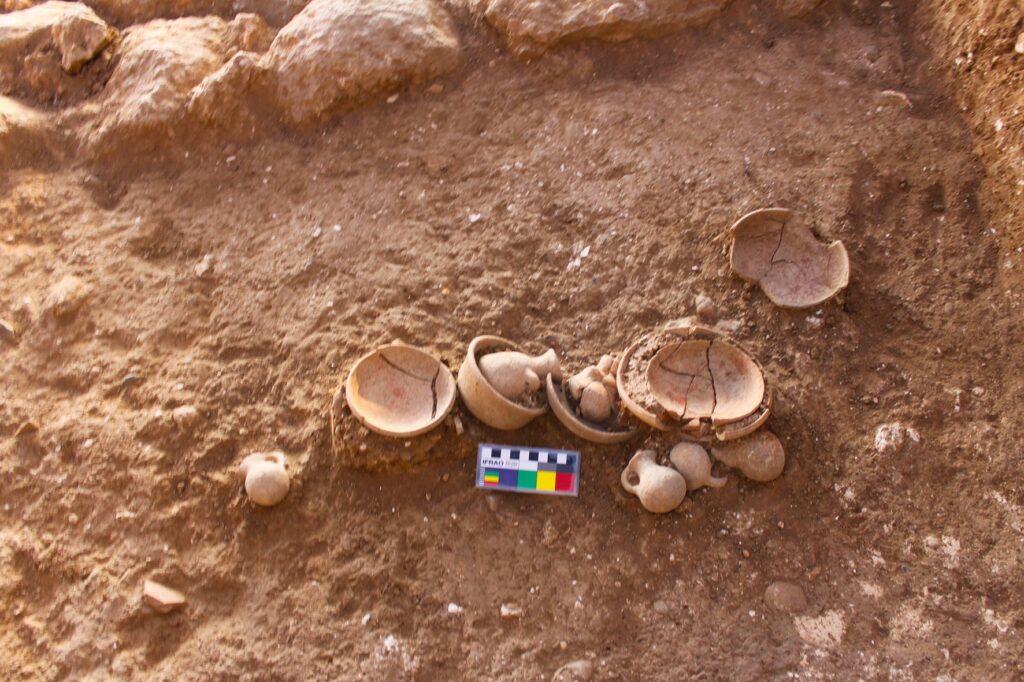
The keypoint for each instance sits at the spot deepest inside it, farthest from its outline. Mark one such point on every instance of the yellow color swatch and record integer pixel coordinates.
(545, 480)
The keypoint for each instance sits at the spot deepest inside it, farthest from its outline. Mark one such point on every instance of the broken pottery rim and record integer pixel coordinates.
(442, 412)
(784, 215)
(562, 408)
(482, 399)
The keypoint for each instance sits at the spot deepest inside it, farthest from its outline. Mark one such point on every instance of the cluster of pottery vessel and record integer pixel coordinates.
(661, 488)
(684, 378)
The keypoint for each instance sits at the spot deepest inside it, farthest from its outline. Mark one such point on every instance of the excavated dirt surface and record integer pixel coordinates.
(642, 152)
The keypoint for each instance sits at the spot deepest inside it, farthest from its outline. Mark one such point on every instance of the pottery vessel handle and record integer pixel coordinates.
(624, 478)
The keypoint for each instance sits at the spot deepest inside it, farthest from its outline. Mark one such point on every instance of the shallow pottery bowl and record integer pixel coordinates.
(584, 428)
(482, 399)
(400, 391)
(734, 424)
(705, 379)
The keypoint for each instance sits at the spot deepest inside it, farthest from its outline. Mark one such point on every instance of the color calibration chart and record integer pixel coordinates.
(520, 469)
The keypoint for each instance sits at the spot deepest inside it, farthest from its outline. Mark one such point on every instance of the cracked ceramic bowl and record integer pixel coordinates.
(692, 378)
(774, 250)
(483, 400)
(705, 379)
(400, 391)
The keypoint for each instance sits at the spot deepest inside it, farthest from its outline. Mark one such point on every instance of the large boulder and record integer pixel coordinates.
(337, 53)
(146, 99)
(532, 26)
(42, 47)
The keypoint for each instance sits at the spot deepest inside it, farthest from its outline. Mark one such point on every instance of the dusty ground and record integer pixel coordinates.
(644, 152)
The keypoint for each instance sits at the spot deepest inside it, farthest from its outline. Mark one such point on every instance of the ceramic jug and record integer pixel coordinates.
(266, 479)
(514, 374)
(694, 464)
(660, 489)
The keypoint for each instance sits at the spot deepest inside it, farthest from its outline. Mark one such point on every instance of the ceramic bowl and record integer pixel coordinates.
(482, 399)
(400, 391)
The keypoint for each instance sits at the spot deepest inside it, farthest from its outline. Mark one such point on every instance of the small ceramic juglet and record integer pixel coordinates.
(514, 374)
(594, 390)
(694, 464)
(266, 479)
(660, 489)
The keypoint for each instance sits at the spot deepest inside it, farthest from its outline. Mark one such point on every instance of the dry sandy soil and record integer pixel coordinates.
(327, 242)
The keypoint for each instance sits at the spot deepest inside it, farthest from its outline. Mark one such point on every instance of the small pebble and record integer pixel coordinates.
(204, 268)
(66, 297)
(492, 502)
(8, 332)
(31, 426)
(661, 607)
(784, 596)
(576, 671)
(161, 598)
(454, 608)
(729, 326)
(184, 416)
(705, 307)
(511, 611)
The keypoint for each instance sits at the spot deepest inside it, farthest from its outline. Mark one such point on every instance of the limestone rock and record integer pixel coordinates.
(532, 26)
(249, 32)
(161, 62)
(66, 297)
(41, 45)
(221, 99)
(336, 53)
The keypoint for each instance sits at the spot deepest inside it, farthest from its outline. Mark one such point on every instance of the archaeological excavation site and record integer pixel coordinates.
(548, 340)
